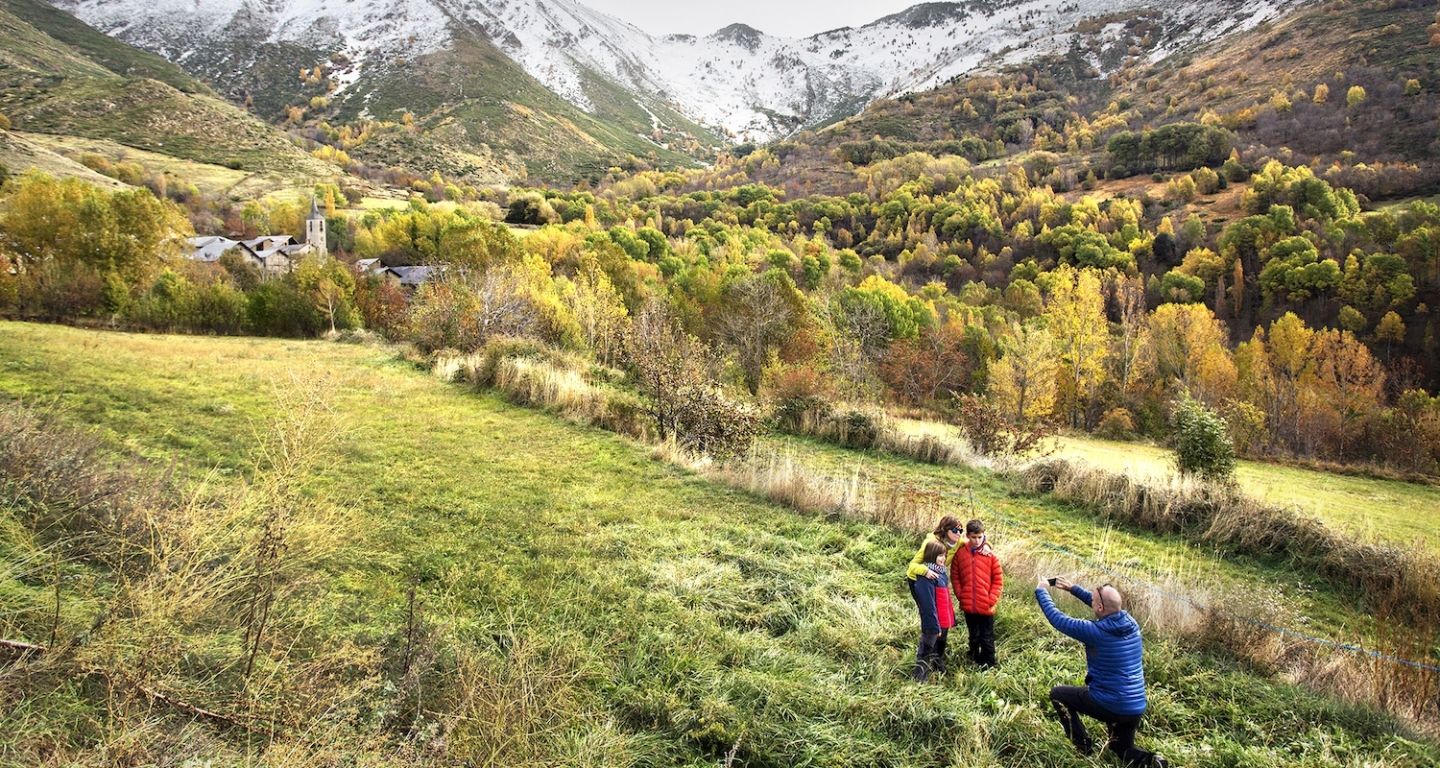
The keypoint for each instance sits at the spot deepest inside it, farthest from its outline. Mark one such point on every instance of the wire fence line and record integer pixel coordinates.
(1008, 522)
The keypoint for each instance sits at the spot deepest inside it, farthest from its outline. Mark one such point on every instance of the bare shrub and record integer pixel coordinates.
(466, 307)
(675, 373)
(759, 313)
(182, 611)
(991, 433)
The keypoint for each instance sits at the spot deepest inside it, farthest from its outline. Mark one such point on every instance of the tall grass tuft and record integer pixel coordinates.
(535, 375)
(868, 429)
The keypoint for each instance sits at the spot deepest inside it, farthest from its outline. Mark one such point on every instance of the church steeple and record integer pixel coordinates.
(315, 230)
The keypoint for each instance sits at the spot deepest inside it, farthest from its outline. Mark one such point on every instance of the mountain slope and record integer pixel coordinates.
(116, 56)
(51, 86)
(738, 79)
(1282, 89)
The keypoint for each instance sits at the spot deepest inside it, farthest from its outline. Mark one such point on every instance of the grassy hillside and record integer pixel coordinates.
(575, 602)
(1373, 508)
(53, 85)
(122, 59)
(21, 151)
(208, 177)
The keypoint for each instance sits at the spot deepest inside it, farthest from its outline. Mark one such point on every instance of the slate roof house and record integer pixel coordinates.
(408, 278)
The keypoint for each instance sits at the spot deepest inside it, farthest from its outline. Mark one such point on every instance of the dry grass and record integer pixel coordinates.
(533, 375)
(866, 428)
(510, 708)
(1396, 581)
(177, 615)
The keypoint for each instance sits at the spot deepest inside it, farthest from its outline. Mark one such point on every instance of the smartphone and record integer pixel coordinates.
(1052, 580)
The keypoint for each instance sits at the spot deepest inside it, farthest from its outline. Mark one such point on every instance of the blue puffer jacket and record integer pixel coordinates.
(1112, 653)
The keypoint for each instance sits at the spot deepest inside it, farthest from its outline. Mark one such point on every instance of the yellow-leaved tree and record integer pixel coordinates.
(1349, 378)
(1076, 320)
(1023, 380)
(72, 223)
(1187, 348)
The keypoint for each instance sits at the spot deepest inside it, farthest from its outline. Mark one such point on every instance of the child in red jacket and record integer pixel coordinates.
(976, 577)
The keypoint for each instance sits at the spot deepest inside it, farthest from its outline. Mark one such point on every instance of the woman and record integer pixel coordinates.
(921, 578)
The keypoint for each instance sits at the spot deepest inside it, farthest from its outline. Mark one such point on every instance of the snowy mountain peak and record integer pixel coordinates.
(926, 15)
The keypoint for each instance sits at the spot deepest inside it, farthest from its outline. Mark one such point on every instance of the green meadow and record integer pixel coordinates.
(612, 608)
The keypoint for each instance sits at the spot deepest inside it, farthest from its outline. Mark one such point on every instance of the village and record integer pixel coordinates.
(275, 255)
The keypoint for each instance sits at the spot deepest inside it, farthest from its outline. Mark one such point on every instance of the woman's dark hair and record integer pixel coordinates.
(933, 549)
(975, 526)
(946, 524)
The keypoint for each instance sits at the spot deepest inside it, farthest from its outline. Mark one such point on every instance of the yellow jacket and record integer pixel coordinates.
(918, 565)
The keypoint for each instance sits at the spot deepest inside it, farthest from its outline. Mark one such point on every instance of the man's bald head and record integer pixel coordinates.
(1110, 601)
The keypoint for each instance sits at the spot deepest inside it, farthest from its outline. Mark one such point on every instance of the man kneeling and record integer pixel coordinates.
(1114, 690)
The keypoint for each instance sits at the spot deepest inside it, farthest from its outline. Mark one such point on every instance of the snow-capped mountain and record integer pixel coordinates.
(738, 80)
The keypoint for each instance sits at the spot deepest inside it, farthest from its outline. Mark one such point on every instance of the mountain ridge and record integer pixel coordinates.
(738, 81)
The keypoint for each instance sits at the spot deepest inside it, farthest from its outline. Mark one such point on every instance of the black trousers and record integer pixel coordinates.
(930, 656)
(982, 638)
(1072, 701)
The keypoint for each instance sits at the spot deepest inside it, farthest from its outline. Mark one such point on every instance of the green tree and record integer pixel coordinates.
(1350, 319)
(1181, 288)
(1295, 270)
(1390, 330)
(1202, 441)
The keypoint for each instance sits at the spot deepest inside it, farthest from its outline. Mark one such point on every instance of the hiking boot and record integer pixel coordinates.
(937, 663)
(1157, 761)
(1084, 746)
(922, 670)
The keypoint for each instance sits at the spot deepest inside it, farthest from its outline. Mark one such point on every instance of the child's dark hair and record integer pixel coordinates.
(975, 526)
(933, 549)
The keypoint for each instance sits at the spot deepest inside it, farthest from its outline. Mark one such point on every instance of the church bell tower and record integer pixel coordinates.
(315, 228)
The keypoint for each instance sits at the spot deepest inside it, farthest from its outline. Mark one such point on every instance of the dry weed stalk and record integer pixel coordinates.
(301, 430)
(505, 706)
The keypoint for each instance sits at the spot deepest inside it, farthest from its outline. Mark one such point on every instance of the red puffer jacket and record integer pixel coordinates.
(976, 578)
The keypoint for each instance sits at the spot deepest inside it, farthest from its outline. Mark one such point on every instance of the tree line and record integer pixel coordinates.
(1303, 323)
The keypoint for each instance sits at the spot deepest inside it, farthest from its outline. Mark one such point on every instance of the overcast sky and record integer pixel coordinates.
(782, 18)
